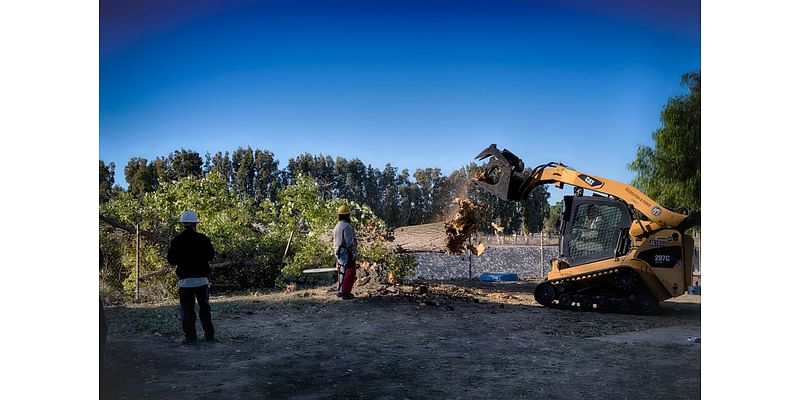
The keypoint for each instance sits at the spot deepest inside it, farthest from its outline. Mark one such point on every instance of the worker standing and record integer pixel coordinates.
(191, 251)
(345, 249)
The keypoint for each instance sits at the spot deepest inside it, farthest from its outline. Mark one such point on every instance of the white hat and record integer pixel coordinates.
(189, 216)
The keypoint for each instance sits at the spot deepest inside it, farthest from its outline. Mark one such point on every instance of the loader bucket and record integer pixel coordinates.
(504, 175)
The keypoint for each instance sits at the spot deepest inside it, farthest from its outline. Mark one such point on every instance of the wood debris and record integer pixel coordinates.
(459, 229)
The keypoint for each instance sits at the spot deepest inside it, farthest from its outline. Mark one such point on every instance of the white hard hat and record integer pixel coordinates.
(189, 216)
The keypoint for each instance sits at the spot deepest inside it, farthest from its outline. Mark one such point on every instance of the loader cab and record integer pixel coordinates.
(593, 228)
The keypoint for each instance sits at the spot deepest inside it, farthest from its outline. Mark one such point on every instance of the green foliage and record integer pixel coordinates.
(670, 172)
(401, 265)
(373, 252)
(304, 211)
(183, 163)
(250, 208)
(106, 180)
(399, 198)
(240, 231)
(151, 259)
(553, 218)
(267, 177)
(301, 204)
(534, 210)
(309, 253)
(141, 176)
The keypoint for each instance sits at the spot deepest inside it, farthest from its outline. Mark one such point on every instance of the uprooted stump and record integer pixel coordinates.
(371, 280)
(466, 219)
(443, 237)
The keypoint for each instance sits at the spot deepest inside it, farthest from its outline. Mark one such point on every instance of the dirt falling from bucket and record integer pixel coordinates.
(463, 223)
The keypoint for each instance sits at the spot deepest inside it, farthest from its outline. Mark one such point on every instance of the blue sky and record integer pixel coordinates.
(416, 84)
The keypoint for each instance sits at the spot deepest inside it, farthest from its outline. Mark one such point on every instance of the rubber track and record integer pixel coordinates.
(613, 302)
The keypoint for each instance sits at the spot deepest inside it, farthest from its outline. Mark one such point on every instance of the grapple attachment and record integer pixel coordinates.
(504, 175)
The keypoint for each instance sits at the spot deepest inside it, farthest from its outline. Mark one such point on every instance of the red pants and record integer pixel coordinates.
(347, 279)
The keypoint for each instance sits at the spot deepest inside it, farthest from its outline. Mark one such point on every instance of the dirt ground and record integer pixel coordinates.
(456, 340)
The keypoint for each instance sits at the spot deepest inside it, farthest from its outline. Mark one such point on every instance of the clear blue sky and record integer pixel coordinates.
(414, 83)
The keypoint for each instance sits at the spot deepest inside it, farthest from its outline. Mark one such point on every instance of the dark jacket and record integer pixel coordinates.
(191, 251)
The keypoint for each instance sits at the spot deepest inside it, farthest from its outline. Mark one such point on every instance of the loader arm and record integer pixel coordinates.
(505, 177)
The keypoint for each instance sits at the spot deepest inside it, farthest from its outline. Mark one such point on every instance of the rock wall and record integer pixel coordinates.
(521, 260)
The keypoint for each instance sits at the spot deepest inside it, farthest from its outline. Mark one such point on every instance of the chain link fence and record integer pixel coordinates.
(528, 256)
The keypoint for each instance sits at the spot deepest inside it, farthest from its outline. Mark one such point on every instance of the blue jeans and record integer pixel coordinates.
(188, 317)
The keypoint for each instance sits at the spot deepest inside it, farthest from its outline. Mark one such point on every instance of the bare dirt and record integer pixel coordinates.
(457, 340)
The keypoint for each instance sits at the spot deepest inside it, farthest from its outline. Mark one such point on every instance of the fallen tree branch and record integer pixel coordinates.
(221, 265)
(132, 230)
(162, 271)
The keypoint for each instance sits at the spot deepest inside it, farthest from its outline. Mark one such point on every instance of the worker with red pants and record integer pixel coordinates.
(345, 249)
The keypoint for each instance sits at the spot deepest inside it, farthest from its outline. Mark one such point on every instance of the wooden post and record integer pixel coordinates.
(470, 265)
(285, 252)
(136, 294)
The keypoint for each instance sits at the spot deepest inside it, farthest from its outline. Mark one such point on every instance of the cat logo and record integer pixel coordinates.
(590, 181)
(656, 211)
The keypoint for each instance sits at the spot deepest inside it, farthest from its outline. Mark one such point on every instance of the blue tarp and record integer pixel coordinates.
(498, 276)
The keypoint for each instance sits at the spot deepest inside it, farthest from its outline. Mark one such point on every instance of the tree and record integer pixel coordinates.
(266, 181)
(183, 163)
(390, 196)
(321, 168)
(244, 171)
(106, 180)
(356, 181)
(221, 164)
(409, 200)
(535, 209)
(432, 193)
(141, 176)
(372, 190)
(241, 231)
(161, 169)
(302, 209)
(553, 218)
(342, 189)
(670, 172)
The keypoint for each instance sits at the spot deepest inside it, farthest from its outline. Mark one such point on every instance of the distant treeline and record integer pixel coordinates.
(398, 197)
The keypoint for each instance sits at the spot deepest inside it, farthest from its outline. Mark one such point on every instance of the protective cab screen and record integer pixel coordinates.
(594, 232)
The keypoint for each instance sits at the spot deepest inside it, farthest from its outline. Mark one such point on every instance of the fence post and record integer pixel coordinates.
(136, 294)
(470, 264)
(541, 253)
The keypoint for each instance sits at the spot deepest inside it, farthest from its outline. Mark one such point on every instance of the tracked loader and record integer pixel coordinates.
(608, 259)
